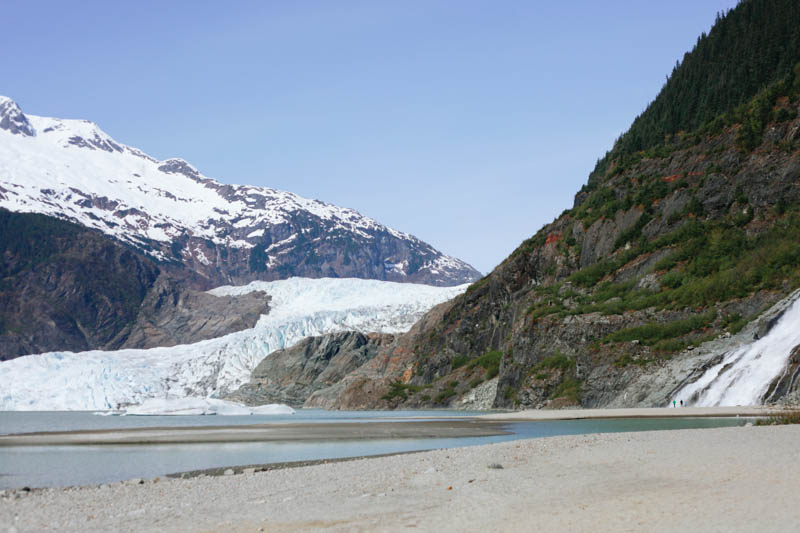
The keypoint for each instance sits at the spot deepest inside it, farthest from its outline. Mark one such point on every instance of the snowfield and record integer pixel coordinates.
(72, 169)
(66, 162)
(299, 308)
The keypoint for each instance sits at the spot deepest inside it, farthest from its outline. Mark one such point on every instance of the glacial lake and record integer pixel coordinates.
(54, 466)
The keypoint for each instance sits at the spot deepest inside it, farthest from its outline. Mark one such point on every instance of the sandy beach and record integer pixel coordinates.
(741, 478)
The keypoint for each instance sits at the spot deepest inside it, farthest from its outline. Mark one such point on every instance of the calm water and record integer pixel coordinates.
(50, 466)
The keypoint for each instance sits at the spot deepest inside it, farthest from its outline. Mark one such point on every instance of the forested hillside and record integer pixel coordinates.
(686, 231)
(748, 48)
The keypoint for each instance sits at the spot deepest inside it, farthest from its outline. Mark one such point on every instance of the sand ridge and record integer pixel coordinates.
(294, 432)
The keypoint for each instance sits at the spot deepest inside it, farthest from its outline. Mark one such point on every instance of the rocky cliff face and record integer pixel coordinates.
(556, 336)
(170, 315)
(65, 286)
(290, 376)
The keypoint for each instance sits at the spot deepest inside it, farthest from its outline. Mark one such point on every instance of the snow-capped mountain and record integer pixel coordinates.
(228, 233)
(298, 308)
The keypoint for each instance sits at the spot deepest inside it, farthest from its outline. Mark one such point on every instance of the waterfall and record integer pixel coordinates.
(745, 373)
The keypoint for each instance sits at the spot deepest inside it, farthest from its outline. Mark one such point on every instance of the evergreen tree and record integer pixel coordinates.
(749, 48)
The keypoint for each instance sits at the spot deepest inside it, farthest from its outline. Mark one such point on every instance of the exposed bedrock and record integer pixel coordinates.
(170, 315)
(64, 287)
(290, 376)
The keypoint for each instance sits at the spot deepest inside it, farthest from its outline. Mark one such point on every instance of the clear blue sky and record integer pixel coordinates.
(469, 124)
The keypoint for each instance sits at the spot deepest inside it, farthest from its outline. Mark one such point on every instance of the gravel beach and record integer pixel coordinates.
(742, 478)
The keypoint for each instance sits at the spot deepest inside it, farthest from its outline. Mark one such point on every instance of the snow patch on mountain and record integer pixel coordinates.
(299, 308)
(72, 169)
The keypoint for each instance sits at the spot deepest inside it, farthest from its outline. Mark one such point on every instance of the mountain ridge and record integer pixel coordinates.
(170, 211)
(108, 248)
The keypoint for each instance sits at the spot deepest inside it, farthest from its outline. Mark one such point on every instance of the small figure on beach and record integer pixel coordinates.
(673, 403)
(681, 403)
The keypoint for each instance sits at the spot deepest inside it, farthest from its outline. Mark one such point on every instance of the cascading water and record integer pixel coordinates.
(745, 374)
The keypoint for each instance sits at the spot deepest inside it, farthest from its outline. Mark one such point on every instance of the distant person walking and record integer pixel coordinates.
(673, 403)
(681, 403)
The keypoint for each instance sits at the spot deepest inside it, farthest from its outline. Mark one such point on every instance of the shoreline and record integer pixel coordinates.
(536, 415)
(266, 467)
(695, 479)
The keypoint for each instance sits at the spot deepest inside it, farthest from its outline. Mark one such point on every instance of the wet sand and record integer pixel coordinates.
(726, 479)
(295, 432)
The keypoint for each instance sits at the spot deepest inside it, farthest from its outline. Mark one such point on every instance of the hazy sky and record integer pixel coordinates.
(469, 124)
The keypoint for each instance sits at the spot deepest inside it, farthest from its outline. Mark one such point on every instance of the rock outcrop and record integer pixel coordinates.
(547, 310)
(369, 385)
(290, 376)
(65, 287)
(171, 315)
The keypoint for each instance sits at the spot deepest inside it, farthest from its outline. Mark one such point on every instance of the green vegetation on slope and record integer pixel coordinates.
(650, 334)
(400, 391)
(32, 239)
(32, 243)
(710, 261)
(63, 286)
(490, 361)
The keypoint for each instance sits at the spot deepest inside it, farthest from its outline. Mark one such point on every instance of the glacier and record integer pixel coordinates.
(299, 308)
